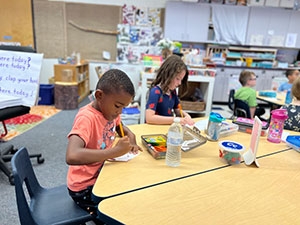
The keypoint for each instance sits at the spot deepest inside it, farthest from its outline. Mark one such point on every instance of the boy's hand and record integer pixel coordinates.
(123, 146)
(135, 149)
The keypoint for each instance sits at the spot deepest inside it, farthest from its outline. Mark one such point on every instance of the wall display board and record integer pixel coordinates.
(16, 28)
(19, 75)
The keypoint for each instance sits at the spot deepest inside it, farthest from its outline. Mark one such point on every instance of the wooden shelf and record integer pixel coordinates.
(77, 73)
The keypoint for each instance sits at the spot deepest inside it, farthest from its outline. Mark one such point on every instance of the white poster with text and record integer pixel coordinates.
(19, 75)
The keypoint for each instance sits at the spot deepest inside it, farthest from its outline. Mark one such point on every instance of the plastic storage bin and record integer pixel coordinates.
(46, 94)
(228, 129)
(130, 116)
(293, 141)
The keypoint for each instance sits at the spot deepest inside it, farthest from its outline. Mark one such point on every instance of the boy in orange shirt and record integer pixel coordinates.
(93, 133)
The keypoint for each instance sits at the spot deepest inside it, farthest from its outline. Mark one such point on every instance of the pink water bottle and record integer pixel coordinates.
(276, 125)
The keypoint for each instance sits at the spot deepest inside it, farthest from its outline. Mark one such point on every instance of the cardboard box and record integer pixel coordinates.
(272, 3)
(287, 3)
(256, 2)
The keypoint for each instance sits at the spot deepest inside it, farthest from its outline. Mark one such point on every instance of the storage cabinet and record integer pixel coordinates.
(186, 21)
(78, 74)
(268, 24)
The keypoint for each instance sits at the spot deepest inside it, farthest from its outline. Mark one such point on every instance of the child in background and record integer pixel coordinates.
(248, 94)
(292, 76)
(293, 122)
(163, 98)
(93, 133)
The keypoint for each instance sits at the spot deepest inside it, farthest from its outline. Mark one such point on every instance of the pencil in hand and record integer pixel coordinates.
(121, 129)
(180, 109)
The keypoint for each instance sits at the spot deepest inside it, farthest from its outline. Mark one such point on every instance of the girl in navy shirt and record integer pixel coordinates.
(163, 100)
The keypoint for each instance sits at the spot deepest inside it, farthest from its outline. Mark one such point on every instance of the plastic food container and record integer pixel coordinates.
(245, 125)
(231, 151)
(228, 129)
(293, 142)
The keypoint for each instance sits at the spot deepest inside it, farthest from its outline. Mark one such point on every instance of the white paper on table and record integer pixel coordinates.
(124, 158)
(201, 124)
(284, 135)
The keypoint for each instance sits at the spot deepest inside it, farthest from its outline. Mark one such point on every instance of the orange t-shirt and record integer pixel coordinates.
(97, 133)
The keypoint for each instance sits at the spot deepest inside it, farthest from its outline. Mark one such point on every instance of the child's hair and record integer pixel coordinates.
(289, 72)
(245, 76)
(168, 71)
(113, 81)
(296, 88)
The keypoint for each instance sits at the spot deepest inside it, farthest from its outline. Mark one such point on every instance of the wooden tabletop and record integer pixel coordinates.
(144, 170)
(233, 195)
(278, 100)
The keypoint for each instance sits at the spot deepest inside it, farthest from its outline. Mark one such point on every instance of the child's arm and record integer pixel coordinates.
(252, 112)
(152, 118)
(78, 154)
(132, 139)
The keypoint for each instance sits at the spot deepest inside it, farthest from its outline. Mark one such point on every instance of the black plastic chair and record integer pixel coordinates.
(241, 109)
(7, 152)
(47, 206)
(231, 99)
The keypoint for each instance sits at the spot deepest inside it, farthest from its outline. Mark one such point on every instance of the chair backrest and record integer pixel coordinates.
(23, 172)
(241, 109)
(231, 99)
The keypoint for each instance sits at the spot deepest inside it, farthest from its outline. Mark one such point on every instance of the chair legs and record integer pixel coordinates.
(6, 155)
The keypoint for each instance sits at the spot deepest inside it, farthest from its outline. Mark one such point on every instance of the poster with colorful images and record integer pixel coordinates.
(121, 53)
(128, 14)
(157, 35)
(123, 34)
(154, 16)
(145, 35)
(133, 54)
(134, 32)
(141, 16)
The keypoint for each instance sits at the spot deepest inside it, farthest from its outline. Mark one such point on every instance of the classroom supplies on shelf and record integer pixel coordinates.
(231, 151)
(293, 141)
(246, 125)
(270, 94)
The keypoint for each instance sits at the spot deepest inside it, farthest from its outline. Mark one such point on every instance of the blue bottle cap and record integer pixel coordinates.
(216, 117)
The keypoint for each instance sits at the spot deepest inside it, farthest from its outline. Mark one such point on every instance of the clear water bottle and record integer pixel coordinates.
(174, 142)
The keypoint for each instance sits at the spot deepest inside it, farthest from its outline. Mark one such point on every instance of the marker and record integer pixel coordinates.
(180, 109)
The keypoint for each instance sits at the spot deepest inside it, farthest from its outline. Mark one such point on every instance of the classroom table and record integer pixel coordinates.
(143, 171)
(279, 100)
(233, 195)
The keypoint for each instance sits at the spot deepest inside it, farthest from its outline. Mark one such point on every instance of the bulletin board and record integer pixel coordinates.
(16, 22)
(95, 18)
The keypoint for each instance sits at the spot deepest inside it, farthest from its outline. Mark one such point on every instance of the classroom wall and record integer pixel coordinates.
(139, 3)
